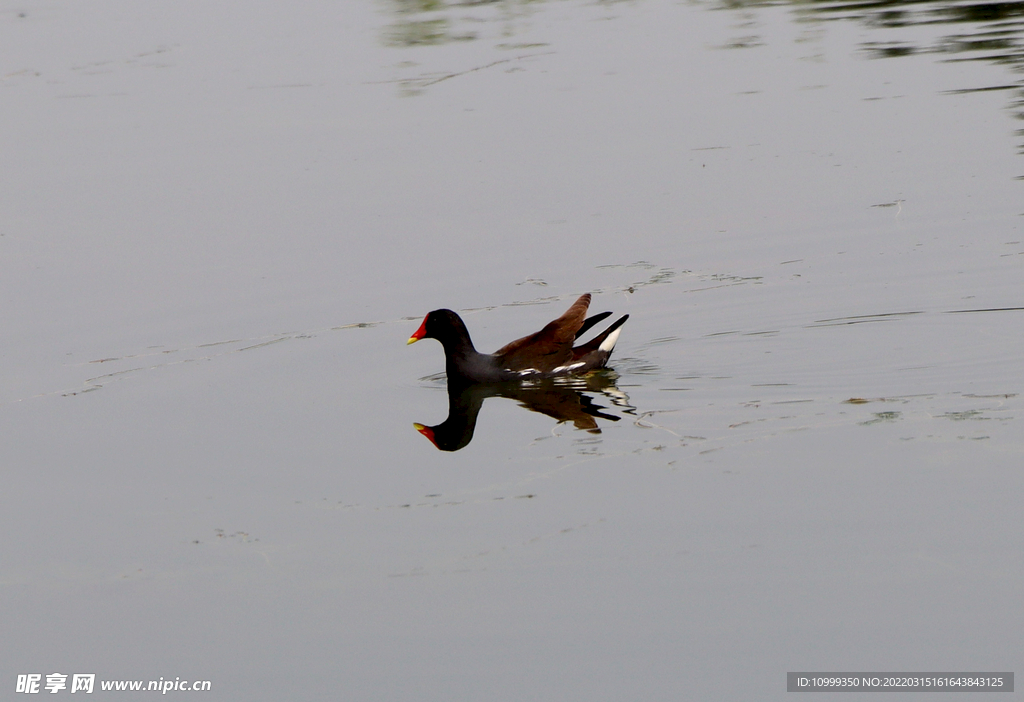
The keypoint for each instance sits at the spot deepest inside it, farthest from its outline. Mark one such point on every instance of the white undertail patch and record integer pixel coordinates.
(609, 343)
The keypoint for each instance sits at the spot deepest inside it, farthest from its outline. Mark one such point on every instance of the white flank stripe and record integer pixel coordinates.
(565, 369)
(609, 343)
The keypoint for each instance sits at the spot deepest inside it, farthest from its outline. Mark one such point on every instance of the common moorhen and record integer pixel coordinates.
(546, 354)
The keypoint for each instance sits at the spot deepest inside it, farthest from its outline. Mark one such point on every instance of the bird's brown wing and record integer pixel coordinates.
(549, 348)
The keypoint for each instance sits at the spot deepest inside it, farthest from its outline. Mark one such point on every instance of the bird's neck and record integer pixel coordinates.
(459, 355)
(458, 343)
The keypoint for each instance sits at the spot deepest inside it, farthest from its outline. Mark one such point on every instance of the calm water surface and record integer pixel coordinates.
(219, 228)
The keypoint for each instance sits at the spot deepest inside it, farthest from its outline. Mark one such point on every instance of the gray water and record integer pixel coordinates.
(219, 225)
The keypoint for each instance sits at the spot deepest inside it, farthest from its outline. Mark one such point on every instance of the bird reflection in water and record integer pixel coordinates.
(564, 399)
